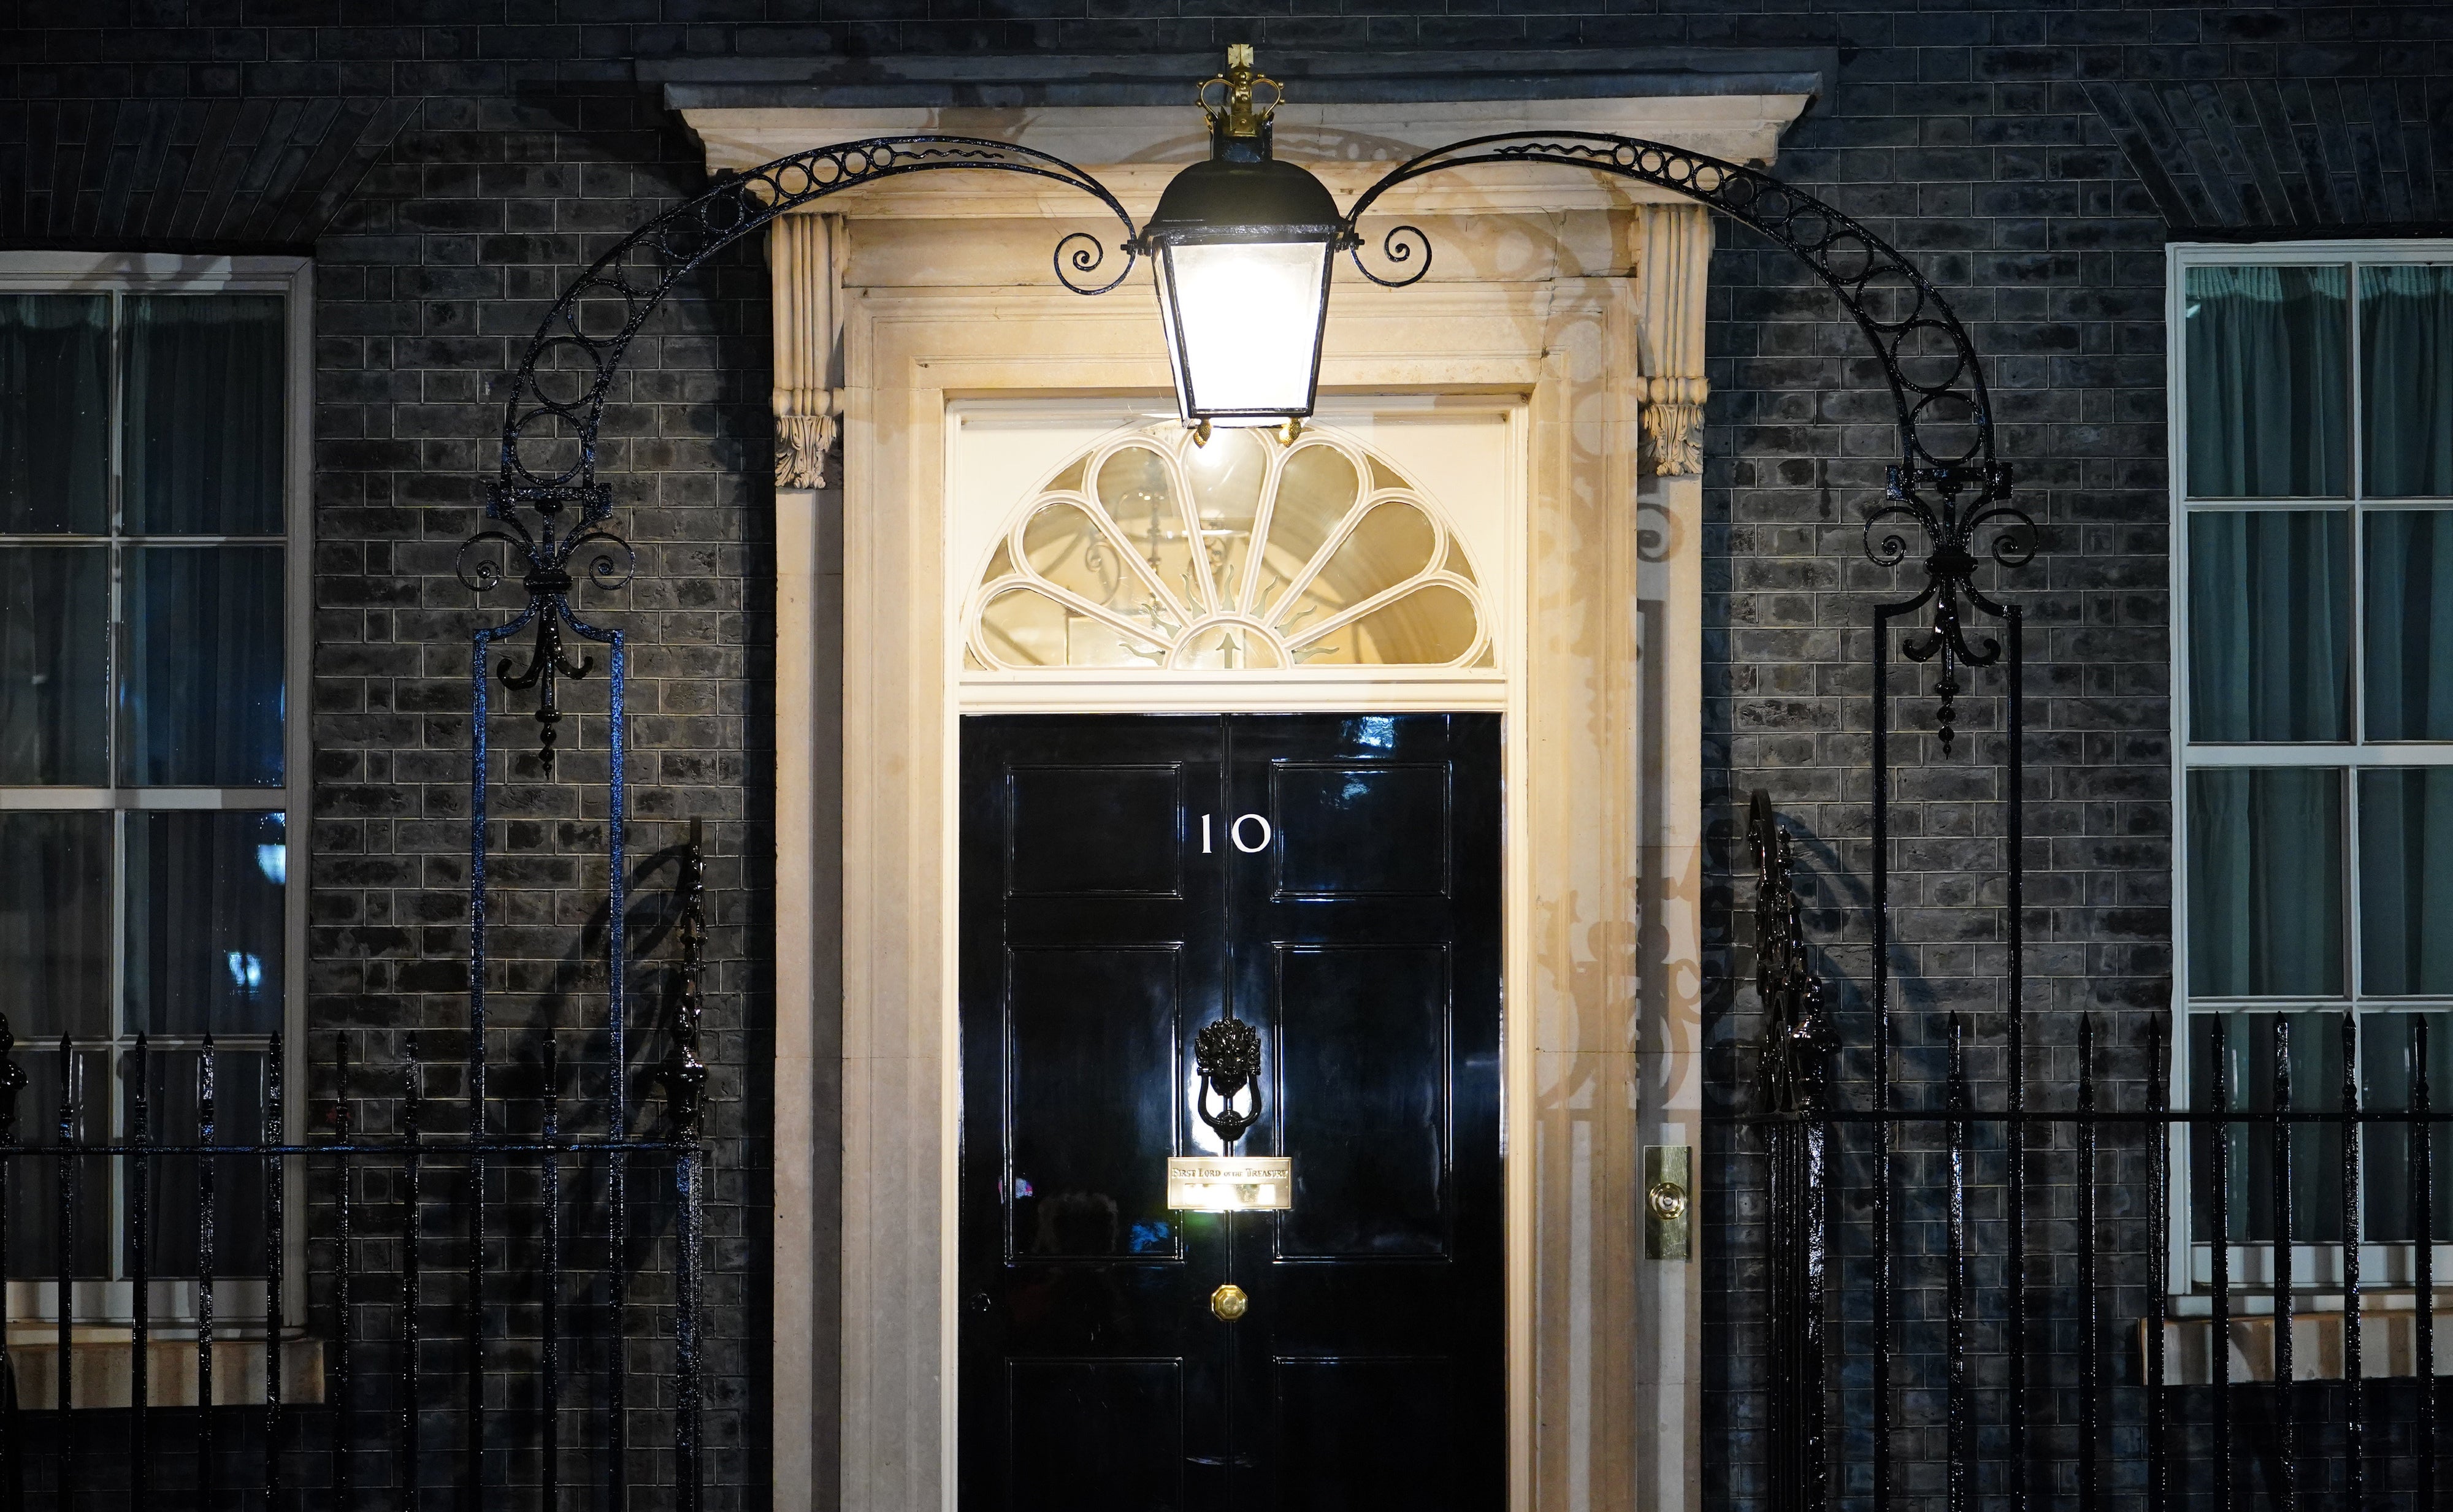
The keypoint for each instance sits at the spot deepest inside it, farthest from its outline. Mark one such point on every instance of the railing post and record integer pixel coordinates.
(685, 1077)
(411, 1475)
(551, 1395)
(13, 1440)
(2355, 1430)
(63, 1443)
(2422, 1236)
(1789, 1094)
(140, 1221)
(208, 1167)
(273, 1228)
(345, 1332)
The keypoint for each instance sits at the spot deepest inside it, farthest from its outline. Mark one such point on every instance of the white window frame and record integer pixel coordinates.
(108, 1307)
(2383, 1267)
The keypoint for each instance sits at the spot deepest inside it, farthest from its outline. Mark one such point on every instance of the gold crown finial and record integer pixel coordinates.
(1233, 105)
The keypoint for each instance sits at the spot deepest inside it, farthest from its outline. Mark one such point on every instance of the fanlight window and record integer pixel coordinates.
(1247, 553)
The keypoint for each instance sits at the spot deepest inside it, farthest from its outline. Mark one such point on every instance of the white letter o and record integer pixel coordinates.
(1235, 833)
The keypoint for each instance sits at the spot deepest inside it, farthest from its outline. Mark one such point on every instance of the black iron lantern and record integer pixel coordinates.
(1240, 246)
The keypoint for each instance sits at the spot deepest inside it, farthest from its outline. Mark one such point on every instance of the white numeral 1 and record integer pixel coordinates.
(1204, 834)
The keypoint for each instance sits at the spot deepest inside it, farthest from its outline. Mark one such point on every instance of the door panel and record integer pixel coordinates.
(1365, 1434)
(1363, 1099)
(1096, 1433)
(1095, 829)
(1098, 931)
(1355, 829)
(1090, 1056)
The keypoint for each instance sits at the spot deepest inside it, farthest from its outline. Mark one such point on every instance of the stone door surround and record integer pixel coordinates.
(1578, 298)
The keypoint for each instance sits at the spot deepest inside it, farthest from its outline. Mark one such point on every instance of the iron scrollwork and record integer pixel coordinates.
(1948, 478)
(1952, 532)
(549, 519)
(555, 408)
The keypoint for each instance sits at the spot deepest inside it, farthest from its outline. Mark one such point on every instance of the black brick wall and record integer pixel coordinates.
(2030, 157)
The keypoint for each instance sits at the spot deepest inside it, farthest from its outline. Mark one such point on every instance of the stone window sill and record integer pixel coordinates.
(101, 1361)
(2388, 1347)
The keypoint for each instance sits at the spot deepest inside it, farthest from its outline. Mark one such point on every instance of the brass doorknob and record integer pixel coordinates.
(1228, 1302)
(1667, 1201)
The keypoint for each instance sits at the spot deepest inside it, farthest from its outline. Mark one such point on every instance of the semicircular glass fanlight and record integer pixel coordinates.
(1248, 553)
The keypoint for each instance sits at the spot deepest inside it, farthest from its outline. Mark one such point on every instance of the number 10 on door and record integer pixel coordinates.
(1236, 831)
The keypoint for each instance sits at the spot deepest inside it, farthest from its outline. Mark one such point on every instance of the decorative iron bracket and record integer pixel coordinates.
(1948, 480)
(555, 408)
(549, 519)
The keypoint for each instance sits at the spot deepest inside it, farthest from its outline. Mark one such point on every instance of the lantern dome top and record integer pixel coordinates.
(1223, 195)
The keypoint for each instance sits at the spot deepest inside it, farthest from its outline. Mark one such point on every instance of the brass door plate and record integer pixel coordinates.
(1228, 1302)
(1668, 1202)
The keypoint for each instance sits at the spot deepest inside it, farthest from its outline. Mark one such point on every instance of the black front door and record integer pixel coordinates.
(1336, 878)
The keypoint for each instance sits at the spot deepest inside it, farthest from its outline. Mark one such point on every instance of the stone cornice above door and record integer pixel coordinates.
(1349, 117)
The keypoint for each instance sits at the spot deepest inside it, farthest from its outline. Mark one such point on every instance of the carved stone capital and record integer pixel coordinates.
(802, 443)
(1673, 425)
(1673, 440)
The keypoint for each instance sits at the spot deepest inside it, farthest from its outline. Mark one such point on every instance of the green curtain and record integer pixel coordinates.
(2410, 613)
(2407, 882)
(205, 422)
(2248, 1062)
(2268, 382)
(2387, 1081)
(2265, 882)
(2270, 624)
(54, 413)
(2406, 378)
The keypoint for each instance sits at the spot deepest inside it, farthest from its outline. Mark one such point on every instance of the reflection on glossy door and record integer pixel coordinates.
(1336, 879)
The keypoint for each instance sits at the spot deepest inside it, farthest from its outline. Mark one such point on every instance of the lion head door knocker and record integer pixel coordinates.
(1228, 1055)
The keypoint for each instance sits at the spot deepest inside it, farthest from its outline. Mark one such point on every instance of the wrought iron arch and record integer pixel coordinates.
(1956, 496)
(547, 458)
(1840, 249)
(547, 510)
(549, 451)
(1936, 380)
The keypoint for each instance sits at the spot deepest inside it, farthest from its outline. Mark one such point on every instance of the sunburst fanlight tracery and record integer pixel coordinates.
(1248, 553)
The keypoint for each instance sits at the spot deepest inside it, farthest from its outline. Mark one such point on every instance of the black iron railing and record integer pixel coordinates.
(508, 1206)
(1880, 1195)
